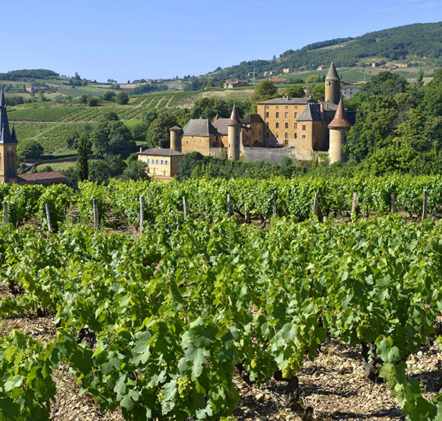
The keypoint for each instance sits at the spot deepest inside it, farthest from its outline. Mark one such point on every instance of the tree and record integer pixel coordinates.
(420, 78)
(139, 132)
(32, 150)
(102, 170)
(83, 99)
(82, 163)
(385, 83)
(93, 102)
(109, 96)
(264, 90)
(296, 91)
(158, 132)
(317, 91)
(122, 98)
(135, 170)
(313, 79)
(110, 116)
(111, 137)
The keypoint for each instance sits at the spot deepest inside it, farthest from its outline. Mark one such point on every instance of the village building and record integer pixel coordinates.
(161, 164)
(8, 157)
(348, 90)
(235, 83)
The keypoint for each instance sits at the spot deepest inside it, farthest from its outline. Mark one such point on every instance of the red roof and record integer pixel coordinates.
(340, 120)
(41, 176)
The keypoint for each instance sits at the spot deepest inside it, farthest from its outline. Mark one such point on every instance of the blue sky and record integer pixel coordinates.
(134, 39)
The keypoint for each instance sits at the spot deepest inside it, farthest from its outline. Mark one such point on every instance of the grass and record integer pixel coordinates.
(56, 166)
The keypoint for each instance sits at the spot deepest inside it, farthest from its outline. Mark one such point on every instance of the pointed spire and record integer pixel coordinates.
(5, 135)
(340, 120)
(332, 73)
(2, 100)
(234, 117)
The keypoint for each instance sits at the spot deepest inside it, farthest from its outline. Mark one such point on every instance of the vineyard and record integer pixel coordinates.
(157, 323)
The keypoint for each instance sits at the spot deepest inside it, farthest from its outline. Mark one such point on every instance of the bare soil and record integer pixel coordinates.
(334, 384)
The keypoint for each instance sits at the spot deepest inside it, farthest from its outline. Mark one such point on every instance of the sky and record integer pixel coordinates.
(134, 39)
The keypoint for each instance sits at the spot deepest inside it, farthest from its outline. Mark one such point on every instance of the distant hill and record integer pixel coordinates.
(411, 42)
(17, 75)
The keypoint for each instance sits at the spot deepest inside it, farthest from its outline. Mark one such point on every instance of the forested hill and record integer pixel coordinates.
(400, 43)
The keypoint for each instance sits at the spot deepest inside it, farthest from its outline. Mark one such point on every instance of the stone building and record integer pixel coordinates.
(282, 127)
(162, 164)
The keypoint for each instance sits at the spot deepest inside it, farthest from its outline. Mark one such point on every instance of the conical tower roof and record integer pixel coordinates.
(332, 73)
(234, 117)
(340, 121)
(5, 134)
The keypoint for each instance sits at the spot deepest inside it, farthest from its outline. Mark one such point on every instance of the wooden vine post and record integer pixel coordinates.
(393, 203)
(316, 204)
(6, 211)
(141, 214)
(353, 204)
(48, 217)
(229, 205)
(185, 207)
(96, 216)
(425, 206)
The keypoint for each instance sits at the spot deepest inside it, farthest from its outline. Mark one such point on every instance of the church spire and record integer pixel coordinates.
(5, 134)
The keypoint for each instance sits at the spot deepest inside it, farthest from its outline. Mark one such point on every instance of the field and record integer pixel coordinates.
(264, 314)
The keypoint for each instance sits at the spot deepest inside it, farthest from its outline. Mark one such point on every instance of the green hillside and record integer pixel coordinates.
(418, 43)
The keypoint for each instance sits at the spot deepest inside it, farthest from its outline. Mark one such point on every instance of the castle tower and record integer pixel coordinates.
(234, 136)
(175, 138)
(338, 130)
(8, 147)
(332, 85)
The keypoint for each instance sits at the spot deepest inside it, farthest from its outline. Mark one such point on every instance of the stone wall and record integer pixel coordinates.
(272, 155)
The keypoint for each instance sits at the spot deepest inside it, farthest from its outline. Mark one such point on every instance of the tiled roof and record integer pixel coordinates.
(340, 119)
(36, 176)
(160, 152)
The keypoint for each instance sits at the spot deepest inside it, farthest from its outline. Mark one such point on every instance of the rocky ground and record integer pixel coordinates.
(333, 384)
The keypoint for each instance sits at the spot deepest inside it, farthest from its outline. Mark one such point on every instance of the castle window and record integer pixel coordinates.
(277, 125)
(296, 115)
(286, 135)
(296, 125)
(304, 127)
(286, 115)
(267, 114)
(303, 136)
(286, 107)
(296, 135)
(286, 125)
(277, 115)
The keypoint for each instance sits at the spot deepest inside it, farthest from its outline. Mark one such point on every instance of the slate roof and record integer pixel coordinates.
(199, 127)
(221, 125)
(253, 118)
(311, 113)
(287, 101)
(332, 73)
(160, 152)
(5, 134)
(234, 117)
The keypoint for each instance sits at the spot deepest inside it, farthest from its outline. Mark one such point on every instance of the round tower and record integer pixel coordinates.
(234, 136)
(332, 85)
(175, 138)
(338, 129)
